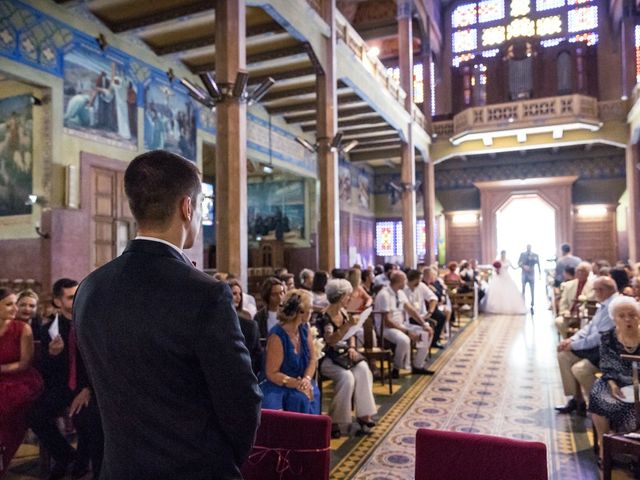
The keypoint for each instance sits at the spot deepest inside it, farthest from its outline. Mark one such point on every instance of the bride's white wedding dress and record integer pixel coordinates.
(503, 296)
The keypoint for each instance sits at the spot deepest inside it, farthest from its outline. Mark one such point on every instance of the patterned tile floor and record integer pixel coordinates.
(501, 378)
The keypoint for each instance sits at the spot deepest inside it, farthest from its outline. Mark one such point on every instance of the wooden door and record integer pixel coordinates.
(111, 219)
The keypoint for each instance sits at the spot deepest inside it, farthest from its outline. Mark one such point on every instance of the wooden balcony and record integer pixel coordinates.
(555, 114)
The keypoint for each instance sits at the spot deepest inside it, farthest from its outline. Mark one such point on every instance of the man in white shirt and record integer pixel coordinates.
(572, 290)
(391, 304)
(382, 280)
(426, 302)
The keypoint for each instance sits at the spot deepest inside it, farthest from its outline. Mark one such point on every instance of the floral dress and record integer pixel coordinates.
(621, 415)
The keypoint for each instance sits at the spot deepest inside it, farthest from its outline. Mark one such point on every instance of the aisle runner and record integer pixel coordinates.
(502, 380)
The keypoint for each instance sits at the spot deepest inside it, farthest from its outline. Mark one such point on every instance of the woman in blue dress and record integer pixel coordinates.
(291, 360)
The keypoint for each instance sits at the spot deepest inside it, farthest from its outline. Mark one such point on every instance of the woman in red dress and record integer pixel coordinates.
(20, 383)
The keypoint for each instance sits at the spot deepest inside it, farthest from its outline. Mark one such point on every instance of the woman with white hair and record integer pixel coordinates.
(610, 403)
(343, 364)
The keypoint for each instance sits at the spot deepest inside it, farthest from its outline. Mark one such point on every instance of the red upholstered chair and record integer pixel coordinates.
(444, 455)
(290, 446)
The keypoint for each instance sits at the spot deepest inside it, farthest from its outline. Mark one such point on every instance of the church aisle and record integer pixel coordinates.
(502, 379)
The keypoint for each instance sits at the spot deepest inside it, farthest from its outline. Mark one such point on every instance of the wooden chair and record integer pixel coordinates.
(617, 443)
(466, 299)
(375, 353)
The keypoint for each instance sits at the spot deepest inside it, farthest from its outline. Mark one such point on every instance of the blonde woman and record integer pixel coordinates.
(290, 358)
(28, 311)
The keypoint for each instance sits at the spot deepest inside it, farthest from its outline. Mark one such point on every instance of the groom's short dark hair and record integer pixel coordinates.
(566, 248)
(154, 183)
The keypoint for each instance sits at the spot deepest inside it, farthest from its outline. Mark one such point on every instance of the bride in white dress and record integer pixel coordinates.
(503, 296)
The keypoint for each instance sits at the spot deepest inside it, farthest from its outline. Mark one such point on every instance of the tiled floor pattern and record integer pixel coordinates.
(502, 379)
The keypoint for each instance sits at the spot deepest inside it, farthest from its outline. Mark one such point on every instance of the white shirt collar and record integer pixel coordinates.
(154, 239)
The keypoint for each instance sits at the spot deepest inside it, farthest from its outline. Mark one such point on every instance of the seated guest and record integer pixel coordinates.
(67, 391)
(359, 299)
(392, 304)
(343, 364)
(339, 273)
(570, 295)
(306, 279)
(437, 286)
(249, 328)
(320, 301)
(291, 359)
(28, 311)
(248, 302)
(621, 278)
(20, 384)
(272, 293)
(451, 276)
(579, 355)
(601, 268)
(568, 274)
(610, 413)
(288, 280)
(382, 279)
(426, 303)
(366, 281)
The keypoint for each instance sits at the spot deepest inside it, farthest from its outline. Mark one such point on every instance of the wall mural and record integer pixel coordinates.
(100, 97)
(344, 182)
(16, 154)
(169, 120)
(276, 210)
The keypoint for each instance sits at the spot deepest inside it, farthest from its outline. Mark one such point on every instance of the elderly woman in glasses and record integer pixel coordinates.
(611, 408)
(291, 359)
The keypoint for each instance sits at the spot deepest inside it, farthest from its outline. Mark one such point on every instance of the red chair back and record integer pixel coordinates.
(290, 446)
(444, 455)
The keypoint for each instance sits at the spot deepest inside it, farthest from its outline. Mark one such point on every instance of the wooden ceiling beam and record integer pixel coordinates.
(344, 99)
(159, 17)
(374, 155)
(210, 40)
(368, 146)
(372, 139)
(373, 129)
(285, 75)
(308, 117)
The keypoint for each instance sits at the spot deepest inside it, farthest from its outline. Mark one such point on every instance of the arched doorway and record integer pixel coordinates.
(526, 219)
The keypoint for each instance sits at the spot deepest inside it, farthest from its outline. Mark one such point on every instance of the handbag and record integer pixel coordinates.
(340, 356)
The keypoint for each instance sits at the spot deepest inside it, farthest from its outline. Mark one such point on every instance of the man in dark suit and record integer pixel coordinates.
(527, 262)
(67, 391)
(162, 342)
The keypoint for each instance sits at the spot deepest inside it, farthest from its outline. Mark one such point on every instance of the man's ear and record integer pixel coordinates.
(186, 208)
(56, 303)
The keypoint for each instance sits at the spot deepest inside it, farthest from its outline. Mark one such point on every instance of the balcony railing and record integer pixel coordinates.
(528, 116)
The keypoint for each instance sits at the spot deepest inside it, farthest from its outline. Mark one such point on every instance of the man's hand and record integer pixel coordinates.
(564, 345)
(82, 400)
(56, 346)
(413, 336)
(428, 328)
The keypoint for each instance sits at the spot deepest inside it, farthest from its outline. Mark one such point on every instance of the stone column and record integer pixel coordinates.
(633, 189)
(408, 166)
(329, 241)
(231, 143)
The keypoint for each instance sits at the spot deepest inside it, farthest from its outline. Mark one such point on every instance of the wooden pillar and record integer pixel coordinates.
(408, 165)
(426, 76)
(231, 143)
(429, 205)
(633, 190)
(329, 242)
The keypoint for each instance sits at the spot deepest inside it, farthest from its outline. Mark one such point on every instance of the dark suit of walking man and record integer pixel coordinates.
(162, 343)
(527, 262)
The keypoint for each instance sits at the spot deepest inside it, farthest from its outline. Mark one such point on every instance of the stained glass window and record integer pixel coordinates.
(490, 53)
(542, 5)
(548, 26)
(421, 238)
(492, 36)
(490, 10)
(585, 18)
(637, 32)
(464, 15)
(385, 239)
(399, 233)
(465, 40)
(521, 27)
(418, 82)
(520, 7)
(565, 20)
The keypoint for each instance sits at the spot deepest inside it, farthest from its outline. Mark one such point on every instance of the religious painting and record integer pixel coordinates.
(344, 182)
(100, 98)
(276, 210)
(363, 191)
(16, 154)
(169, 120)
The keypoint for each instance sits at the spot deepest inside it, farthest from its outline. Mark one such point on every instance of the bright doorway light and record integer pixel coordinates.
(527, 220)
